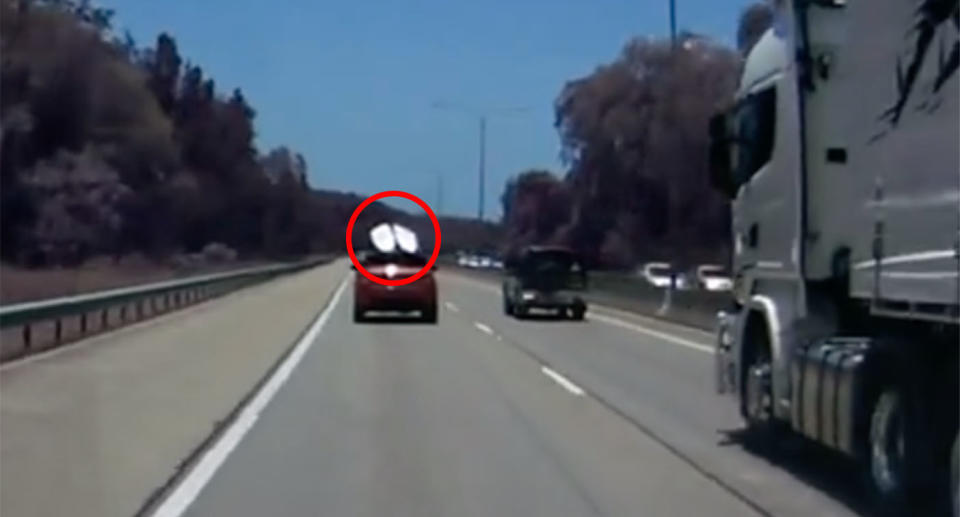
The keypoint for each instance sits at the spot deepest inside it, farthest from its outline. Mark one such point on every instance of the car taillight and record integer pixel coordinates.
(391, 270)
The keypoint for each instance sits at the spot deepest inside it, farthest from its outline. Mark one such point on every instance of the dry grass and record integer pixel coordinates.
(20, 284)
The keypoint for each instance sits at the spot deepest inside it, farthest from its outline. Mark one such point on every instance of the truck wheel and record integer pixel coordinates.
(507, 307)
(758, 390)
(955, 477)
(887, 451)
(756, 402)
(577, 313)
(519, 311)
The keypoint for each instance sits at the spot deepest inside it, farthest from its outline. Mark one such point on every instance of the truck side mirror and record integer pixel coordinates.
(720, 174)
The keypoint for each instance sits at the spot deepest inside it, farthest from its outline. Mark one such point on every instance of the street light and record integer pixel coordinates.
(482, 116)
(673, 22)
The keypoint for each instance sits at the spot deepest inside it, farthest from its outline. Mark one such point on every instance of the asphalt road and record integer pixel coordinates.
(487, 415)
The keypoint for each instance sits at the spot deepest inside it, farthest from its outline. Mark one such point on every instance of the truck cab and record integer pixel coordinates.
(839, 156)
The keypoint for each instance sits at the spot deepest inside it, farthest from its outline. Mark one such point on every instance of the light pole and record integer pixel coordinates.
(439, 193)
(482, 116)
(673, 22)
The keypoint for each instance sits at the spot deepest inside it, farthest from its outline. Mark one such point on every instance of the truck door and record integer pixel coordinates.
(765, 165)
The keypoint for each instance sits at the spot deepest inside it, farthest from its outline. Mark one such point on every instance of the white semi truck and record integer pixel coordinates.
(840, 157)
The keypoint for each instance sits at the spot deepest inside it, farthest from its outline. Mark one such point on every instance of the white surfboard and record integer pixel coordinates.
(383, 238)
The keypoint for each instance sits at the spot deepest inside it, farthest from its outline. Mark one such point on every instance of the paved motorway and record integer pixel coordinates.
(490, 416)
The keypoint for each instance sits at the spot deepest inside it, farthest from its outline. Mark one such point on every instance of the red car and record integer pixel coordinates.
(419, 296)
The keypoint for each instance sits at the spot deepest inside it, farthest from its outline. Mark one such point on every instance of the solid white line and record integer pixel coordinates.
(483, 328)
(649, 320)
(451, 307)
(190, 487)
(644, 330)
(566, 383)
(594, 316)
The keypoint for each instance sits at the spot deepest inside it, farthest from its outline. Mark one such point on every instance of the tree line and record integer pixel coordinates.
(634, 144)
(109, 148)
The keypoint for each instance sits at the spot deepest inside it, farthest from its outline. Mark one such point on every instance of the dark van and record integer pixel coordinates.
(545, 277)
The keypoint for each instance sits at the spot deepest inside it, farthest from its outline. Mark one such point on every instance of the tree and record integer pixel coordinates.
(108, 148)
(535, 206)
(281, 162)
(80, 204)
(164, 72)
(634, 140)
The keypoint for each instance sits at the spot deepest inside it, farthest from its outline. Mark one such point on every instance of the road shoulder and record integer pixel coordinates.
(74, 423)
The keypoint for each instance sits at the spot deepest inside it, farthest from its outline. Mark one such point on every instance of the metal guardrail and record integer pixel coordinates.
(172, 294)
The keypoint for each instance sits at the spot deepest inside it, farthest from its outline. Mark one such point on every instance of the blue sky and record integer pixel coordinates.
(351, 84)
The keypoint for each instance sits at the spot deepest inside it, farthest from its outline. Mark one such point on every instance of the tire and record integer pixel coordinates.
(519, 312)
(886, 461)
(757, 400)
(359, 315)
(577, 313)
(430, 314)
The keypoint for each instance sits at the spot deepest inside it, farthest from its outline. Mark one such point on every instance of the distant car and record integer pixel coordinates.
(419, 296)
(463, 260)
(473, 261)
(545, 277)
(496, 264)
(711, 277)
(657, 274)
(485, 262)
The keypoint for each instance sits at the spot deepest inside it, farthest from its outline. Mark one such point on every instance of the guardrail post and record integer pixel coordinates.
(26, 337)
(58, 330)
(123, 313)
(140, 309)
(103, 318)
(83, 323)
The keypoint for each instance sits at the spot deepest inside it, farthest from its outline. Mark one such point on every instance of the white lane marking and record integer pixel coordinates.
(451, 307)
(593, 315)
(626, 316)
(566, 383)
(650, 332)
(483, 328)
(605, 308)
(189, 488)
